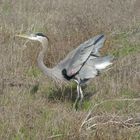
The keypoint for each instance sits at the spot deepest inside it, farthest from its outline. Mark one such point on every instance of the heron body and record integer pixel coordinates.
(80, 65)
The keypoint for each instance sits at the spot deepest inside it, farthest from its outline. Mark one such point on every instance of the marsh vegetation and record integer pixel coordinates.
(32, 107)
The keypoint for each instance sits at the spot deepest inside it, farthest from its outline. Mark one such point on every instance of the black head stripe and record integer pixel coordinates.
(40, 34)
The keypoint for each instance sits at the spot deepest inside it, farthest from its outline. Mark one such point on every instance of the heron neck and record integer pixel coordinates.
(47, 71)
(53, 73)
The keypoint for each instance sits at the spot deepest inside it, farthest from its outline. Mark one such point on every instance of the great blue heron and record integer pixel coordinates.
(80, 65)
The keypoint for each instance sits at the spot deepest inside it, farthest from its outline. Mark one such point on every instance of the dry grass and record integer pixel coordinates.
(31, 107)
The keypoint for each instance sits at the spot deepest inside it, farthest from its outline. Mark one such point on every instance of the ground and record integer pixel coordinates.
(33, 107)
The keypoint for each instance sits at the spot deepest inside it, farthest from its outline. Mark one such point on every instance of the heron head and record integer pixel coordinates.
(37, 37)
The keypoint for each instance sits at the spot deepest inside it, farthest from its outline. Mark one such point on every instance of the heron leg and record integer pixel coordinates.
(81, 96)
(78, 96)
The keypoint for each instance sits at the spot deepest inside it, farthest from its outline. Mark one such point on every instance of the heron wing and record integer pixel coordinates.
(87, 72)
(82, 55)
(93, 65)
(76, 58)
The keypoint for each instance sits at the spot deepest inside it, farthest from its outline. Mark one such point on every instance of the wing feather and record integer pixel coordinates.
(87, 72)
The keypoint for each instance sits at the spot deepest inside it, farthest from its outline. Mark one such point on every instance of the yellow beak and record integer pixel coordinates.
(23, 36)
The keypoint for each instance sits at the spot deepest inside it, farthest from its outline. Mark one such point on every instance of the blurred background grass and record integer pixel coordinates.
(32, 107)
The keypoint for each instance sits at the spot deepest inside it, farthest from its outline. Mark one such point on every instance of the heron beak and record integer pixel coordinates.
(23, 36)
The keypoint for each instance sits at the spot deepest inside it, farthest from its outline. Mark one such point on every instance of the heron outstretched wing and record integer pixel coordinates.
(76, 59)
(81, 53)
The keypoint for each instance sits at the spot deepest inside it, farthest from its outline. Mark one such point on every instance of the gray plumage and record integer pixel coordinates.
(80, 65)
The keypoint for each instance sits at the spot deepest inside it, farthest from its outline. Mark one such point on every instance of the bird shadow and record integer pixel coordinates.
(65, 93)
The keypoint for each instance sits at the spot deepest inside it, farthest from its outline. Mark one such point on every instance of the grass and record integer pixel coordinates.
(32, 107)
(33, 72)
(128, 48)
